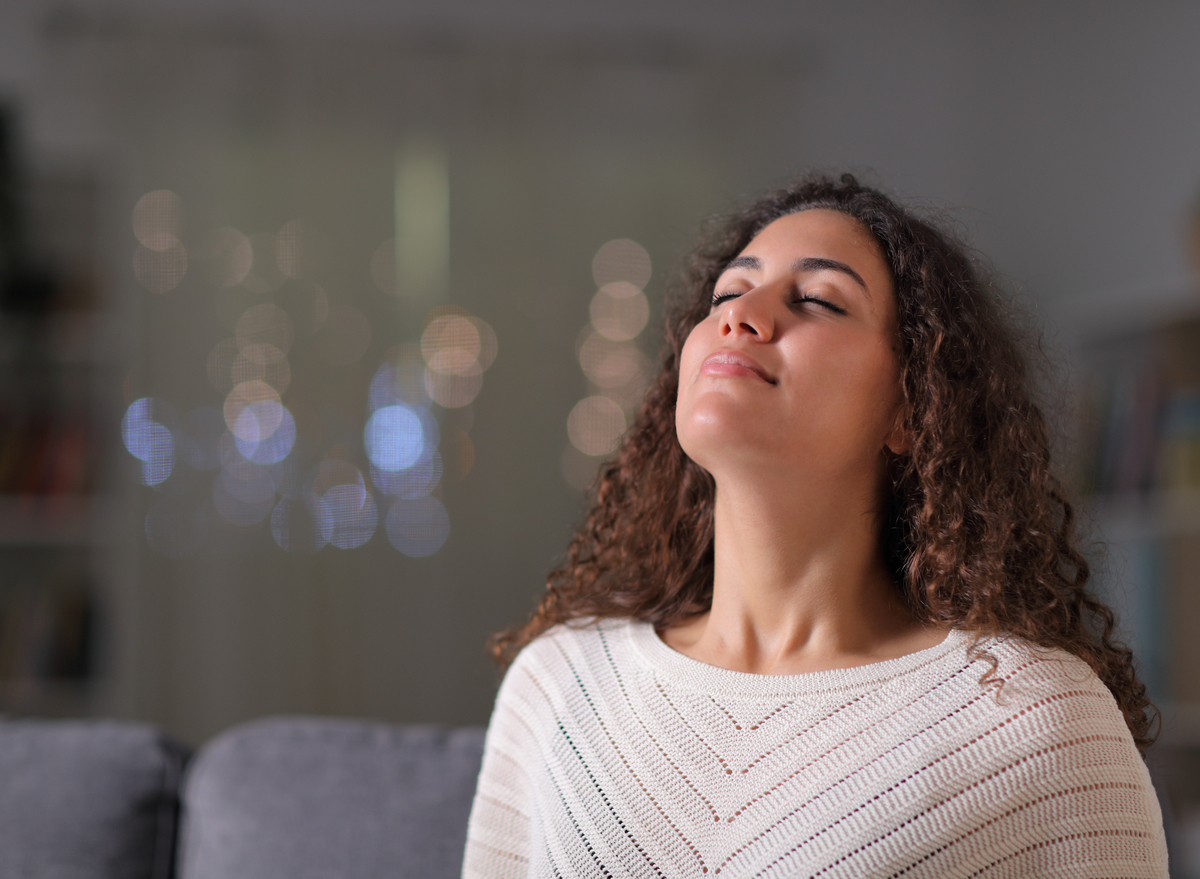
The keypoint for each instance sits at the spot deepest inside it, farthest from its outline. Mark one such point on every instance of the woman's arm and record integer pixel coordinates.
(498, 833)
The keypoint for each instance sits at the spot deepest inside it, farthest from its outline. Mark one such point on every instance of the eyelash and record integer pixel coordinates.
(825, 303)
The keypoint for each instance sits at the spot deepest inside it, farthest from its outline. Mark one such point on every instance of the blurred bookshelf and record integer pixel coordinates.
(1140, 469)
(53, 368)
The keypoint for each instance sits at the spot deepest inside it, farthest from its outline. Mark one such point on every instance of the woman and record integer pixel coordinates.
(827, 616)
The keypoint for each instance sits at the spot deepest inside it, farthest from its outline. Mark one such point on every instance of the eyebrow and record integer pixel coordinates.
(820, 263)
(807, 264)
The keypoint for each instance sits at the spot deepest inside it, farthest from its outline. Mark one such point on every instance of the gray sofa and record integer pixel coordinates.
(284, 798)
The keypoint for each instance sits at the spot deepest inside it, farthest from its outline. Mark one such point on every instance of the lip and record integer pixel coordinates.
(734, 363)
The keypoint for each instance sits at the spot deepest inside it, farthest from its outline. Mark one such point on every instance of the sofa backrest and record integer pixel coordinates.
(302, 798)
(87, 800)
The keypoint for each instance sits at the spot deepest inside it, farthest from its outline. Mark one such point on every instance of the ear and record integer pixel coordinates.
(898, 441)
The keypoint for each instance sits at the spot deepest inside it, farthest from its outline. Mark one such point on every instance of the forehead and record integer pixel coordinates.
(820, 232)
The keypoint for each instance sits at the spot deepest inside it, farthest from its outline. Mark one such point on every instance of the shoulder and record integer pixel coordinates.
(575, 639)
(1047, 704)
(569, 656)
(1031, 677)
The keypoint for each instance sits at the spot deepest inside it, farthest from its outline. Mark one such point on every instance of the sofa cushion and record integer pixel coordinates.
(294, 798)
(86, 800)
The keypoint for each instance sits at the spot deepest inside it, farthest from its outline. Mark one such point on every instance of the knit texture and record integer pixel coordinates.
(611, 755)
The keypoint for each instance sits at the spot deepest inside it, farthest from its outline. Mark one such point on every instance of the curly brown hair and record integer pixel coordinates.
(978, 533)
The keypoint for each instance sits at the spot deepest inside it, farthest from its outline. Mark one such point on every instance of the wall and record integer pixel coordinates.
(1060, 139)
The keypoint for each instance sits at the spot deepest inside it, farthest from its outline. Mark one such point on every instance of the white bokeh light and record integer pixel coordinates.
(595, 425)
(619, 311)
(158, 220)
(621, 260)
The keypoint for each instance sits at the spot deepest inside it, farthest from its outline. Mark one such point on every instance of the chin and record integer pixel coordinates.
(710, 438)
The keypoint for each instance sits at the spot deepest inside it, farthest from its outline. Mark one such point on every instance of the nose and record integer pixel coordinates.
(748, 314)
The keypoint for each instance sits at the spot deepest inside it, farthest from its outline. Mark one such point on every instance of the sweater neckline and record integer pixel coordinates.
(693, 674)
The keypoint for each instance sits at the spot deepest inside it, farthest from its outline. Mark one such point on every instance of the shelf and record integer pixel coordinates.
(1138, 516)
(52, 520)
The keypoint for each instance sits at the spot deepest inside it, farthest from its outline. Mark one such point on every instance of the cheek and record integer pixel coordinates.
(689, 356)
(690, 412)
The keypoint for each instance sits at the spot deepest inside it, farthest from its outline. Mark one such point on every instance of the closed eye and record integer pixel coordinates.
(721, 297)
(824, 303)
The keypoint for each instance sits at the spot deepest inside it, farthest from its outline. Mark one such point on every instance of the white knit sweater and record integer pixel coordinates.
(611, 755)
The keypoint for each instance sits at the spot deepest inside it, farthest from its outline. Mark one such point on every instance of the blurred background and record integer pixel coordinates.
(317, 319)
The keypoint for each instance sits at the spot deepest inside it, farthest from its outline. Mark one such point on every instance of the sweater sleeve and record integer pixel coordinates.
(498, 832)
(1077, 800)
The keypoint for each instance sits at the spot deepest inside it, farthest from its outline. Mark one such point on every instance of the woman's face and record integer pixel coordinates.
(795, 368)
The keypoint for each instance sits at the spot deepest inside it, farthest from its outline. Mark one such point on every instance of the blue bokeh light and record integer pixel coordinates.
(352, 515)
(394, 438)
(253, 439)
(418, 480)
(149, 441)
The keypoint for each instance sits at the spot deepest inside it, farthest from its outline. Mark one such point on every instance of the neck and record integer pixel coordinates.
(799, 583)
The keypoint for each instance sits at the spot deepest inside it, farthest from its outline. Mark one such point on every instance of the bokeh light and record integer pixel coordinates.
(227, 256)
(416, 481)
(158, 220)
(609, 364)
(457, 348)
(451, 345)
(353, 515)
(264, 420)
(148, 440)
(347, 508)
(453, 391)
(619, 311)
(273, 443)
(394, 438)
(621, 260)
(417, 527)
(595, 425)
(261, 361)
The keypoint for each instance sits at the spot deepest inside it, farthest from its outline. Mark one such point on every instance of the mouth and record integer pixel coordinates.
(734, 363)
